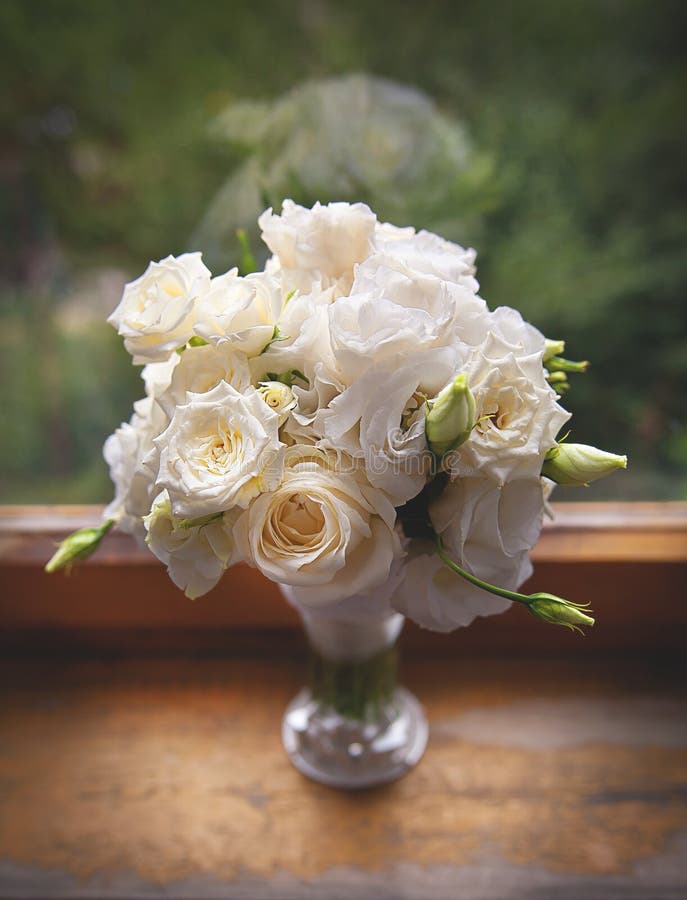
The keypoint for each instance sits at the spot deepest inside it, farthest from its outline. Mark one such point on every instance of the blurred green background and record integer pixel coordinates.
(551, 136)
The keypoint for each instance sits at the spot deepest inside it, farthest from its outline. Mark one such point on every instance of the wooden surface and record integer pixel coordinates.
(542, 779)
(583, 532)
(140, 753)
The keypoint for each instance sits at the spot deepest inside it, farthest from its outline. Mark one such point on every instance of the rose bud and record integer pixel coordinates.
(279, 397)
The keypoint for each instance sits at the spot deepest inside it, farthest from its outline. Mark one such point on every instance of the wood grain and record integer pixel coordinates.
(542, 779)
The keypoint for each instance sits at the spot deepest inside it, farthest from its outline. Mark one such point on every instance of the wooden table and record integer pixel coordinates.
(166, 778)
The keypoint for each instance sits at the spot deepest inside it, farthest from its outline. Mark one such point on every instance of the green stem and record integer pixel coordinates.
(544, 606)
(473, 579)
(356, 690)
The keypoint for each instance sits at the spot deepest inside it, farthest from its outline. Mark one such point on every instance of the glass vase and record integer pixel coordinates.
(353, 726)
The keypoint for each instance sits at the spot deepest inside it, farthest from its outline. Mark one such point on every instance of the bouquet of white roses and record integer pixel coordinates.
(353, 421)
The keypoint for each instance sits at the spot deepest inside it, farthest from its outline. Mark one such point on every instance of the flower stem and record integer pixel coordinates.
(354, 689)
(546, 607)
(473, 579)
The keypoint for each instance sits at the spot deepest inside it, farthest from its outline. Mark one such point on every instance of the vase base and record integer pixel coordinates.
(346, 753)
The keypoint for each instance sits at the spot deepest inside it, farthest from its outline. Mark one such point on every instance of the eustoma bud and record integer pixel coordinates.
(559, 611)
(547, 607)
(79, 545)
(578, 464)
(553, 348)
(451, 417)
(279, 397)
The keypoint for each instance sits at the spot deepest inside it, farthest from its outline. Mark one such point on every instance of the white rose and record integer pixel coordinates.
(329, 239)
(304, 337)
(380, 418)
(242, 312)
(158, 376)
(220, 450)
(518, 416)
(156, 312)
(394, 310)
(489, 531)
(196, 557)
(321, 530)
(132, 459)
(199, 369)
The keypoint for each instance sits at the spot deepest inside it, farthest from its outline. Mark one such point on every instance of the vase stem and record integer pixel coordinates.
(353, 727)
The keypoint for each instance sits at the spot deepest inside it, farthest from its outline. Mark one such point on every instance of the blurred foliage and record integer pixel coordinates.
(561, 139)
(349, 137)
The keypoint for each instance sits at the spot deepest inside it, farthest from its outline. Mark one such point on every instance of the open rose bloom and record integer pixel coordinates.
(285, 420)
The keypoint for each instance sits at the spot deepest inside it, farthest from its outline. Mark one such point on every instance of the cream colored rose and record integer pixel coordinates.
(156, 312)
(196, 556)
(240, 312)
(322, 530)
(220, 450)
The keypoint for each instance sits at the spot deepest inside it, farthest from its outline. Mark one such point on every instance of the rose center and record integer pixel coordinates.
(301, 519)
(493, 416)
(222, 450)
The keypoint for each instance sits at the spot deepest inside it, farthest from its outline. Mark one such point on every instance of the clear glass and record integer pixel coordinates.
(353, 726)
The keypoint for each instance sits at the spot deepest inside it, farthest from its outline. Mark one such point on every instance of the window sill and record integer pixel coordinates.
(628, 559)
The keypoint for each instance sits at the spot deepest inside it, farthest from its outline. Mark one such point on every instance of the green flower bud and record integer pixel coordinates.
(78, 545)
(553, 348)
(559, 365)
(558, 381)
(451, 416)
(580, 463)
(559, 611)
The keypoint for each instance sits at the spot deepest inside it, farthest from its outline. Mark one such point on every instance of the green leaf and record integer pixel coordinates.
(248, 263)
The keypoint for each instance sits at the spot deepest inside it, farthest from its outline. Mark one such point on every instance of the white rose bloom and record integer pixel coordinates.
(240, 311)
(428, 254)
(489, 531)
(518, 416)
(394, 310)
(196, 557)
(220, 450)
(304, 337)
(132, 459)
(380, 419)
(158, 376)
(199, 369)
(156, 312)
(321, 530)
(327, 239)
(547, 488)
(321, 389)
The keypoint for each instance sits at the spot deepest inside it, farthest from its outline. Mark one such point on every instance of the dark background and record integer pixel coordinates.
(551, 137)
